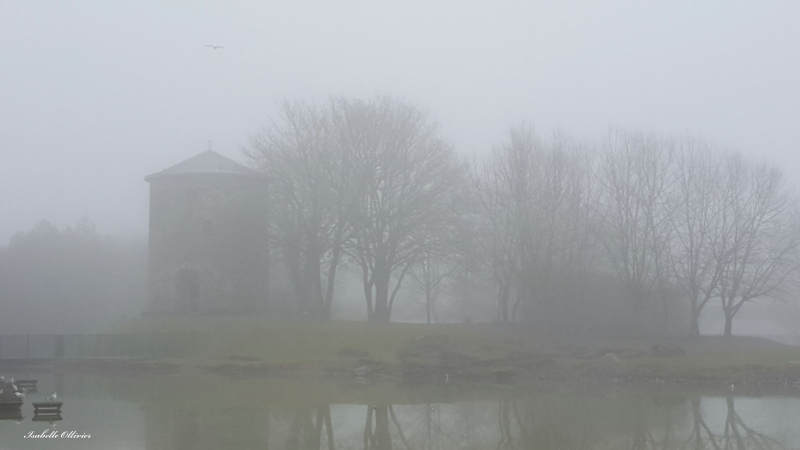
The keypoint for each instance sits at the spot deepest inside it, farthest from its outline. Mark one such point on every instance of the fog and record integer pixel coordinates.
(95, 95)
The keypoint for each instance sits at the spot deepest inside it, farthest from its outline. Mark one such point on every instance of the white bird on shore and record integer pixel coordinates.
(53, 397)
(361, 371)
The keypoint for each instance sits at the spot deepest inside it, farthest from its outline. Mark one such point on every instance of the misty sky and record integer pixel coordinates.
(94, 95)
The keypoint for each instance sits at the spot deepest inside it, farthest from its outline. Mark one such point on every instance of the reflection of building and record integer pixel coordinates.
(208, 238)
(170, 427)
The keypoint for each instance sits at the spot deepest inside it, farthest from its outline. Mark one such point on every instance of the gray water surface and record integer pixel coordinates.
(145, 411)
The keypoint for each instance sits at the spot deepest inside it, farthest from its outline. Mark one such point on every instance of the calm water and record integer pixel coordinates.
(215, 412)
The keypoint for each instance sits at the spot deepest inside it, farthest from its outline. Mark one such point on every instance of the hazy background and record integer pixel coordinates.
(94, 95)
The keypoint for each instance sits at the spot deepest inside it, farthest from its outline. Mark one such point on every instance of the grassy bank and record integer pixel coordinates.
(464, 352)
(311, 343)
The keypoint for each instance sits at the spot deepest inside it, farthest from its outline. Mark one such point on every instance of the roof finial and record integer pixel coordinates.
(209, 144)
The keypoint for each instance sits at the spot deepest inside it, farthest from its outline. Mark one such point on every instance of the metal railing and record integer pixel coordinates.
(96, 346)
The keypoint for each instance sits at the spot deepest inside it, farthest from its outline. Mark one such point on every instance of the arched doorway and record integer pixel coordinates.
(187, 291)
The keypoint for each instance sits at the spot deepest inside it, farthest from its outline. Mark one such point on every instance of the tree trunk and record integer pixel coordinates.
(383, 439)
(503, 302)
(694, 322)
(317, 306)
(368, 283)
(428, 301)
(381, 283)
(328, 302)
(728, 324)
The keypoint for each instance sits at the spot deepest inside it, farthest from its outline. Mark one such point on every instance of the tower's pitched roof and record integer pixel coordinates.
(208, 162)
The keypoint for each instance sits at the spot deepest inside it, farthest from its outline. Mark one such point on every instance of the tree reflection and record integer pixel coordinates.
(305, 430)
(376, 429)
(655, 433)
(555, 420)
(506, 440)
(377, 434)
(177, 415)
(739, 436)
(735, 435)
(701, 436)
(534, 424)
(638, 425)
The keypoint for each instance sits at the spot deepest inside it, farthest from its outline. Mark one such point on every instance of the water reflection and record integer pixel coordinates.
(735, 434)
(217, 413)
(306, 429)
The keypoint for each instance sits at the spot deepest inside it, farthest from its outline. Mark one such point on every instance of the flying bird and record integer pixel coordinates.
(20, 395)
(215, 47)
(53, 397)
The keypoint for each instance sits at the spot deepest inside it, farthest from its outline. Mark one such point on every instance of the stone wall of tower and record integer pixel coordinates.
(208, 244)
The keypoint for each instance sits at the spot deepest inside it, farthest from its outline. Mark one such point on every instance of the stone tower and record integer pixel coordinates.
(208, 238)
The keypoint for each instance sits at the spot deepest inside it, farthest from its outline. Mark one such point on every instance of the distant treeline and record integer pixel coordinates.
(72, 280)
(634, 233)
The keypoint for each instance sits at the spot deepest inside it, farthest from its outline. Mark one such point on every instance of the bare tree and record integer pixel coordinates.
(311, 191)
(497, 235)
(434, 266)
(534, 199)
(636, 183)
(368, 179)
(407, 178)
(757, 242)
(694, 224)
(562, 224)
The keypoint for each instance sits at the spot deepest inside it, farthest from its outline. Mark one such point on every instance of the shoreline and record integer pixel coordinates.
(750, 379)
(489, 354)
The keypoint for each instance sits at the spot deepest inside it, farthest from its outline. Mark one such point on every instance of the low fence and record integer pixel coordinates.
(96, 346)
